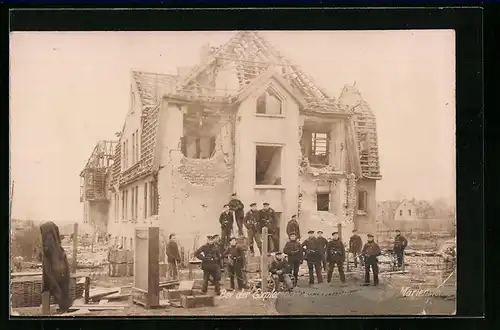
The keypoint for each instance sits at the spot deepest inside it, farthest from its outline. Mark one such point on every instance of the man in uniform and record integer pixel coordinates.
(292, 227)
(280, 270)
(313, 257)
(236, 258)
(295, 253)
(236, 206)
(335, 256)
(355, 246)
(322, 248)
(371, 251)
(210, 264)
(400, 244)
(268, 219)
(226, 225)
(252, 223)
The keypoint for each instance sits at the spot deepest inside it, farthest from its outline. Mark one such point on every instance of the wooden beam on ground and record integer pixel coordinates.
(263, 260)
(75, 246)
(46, 303)
(98, 307)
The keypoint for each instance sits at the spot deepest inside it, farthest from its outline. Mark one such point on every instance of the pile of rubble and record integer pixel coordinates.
(88, 258)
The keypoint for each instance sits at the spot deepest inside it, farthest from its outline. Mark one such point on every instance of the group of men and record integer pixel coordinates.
(254, 220)
(322, 254)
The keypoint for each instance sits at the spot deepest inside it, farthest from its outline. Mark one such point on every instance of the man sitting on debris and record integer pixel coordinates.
(313, 257)
(226, 225)
(322, 248)
(210, 264)
(280, 270)
(335, 256)
(355, 246)
(252, 223)
(371, 251)
(293, 227)
(173, 257)
(237, 207)
(236, 258)
(268, 219)
(400, 244)
(293, 249)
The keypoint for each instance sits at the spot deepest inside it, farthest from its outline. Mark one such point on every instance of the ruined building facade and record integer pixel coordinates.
(244, 120)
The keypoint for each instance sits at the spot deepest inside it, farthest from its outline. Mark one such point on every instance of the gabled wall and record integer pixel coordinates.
(253, 130)
(132, 124)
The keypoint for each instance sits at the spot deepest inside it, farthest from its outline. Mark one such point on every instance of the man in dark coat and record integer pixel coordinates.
(335, 255)
(226, 226)
(237, 207)
(210, 264)
(55, 276)
(400, 244)
(293, 249)
(355, 246)
(292, 227)
(322, 248)
(268, 219)
(173, 257)
(371, 251)
(280, 270)
(313, 257)
(236, 259)
(252, 223)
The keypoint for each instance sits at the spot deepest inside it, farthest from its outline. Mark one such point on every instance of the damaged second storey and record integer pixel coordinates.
(244, 120)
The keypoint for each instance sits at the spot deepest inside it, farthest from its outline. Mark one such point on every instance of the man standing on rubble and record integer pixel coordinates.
(400, 244)
(236, 206)
(322, 248)
(173, 257)
(313, 257)
(210, 264)
(293, 249)
(268, 219)
(292, 227)
(371, 251)
(226, 225)
(236, 258)
(252, 223)
(335, 255)
(355, 246)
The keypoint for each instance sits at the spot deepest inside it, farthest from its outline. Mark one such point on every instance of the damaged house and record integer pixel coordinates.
(244, 120)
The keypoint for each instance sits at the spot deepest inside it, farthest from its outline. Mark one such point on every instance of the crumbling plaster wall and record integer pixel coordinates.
(192, 192)
(366, 223)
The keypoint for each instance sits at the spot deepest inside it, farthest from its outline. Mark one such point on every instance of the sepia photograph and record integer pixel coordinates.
(232, 173)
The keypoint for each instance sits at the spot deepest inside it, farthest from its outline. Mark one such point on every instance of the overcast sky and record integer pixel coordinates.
(69, 90)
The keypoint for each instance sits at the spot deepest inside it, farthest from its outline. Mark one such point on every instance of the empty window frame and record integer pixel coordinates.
(153, 198)
(198, 147)
(323, 201)
(362, 201)
(133, 148)
(401, 213)
(320, 146)
(409, 212)
(268, 165)
(269, 103)
(137, 150)
(146, 209)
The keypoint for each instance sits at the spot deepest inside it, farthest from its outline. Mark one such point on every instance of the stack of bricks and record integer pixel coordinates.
(121, 263)
(189, 298)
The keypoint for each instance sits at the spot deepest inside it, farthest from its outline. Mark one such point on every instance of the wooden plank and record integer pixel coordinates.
(45, 303)
(21, 274)
(98, 307)
(75, 247)
(263, 260)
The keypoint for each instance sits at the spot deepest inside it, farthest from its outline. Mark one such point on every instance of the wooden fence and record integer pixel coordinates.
(421, 227)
